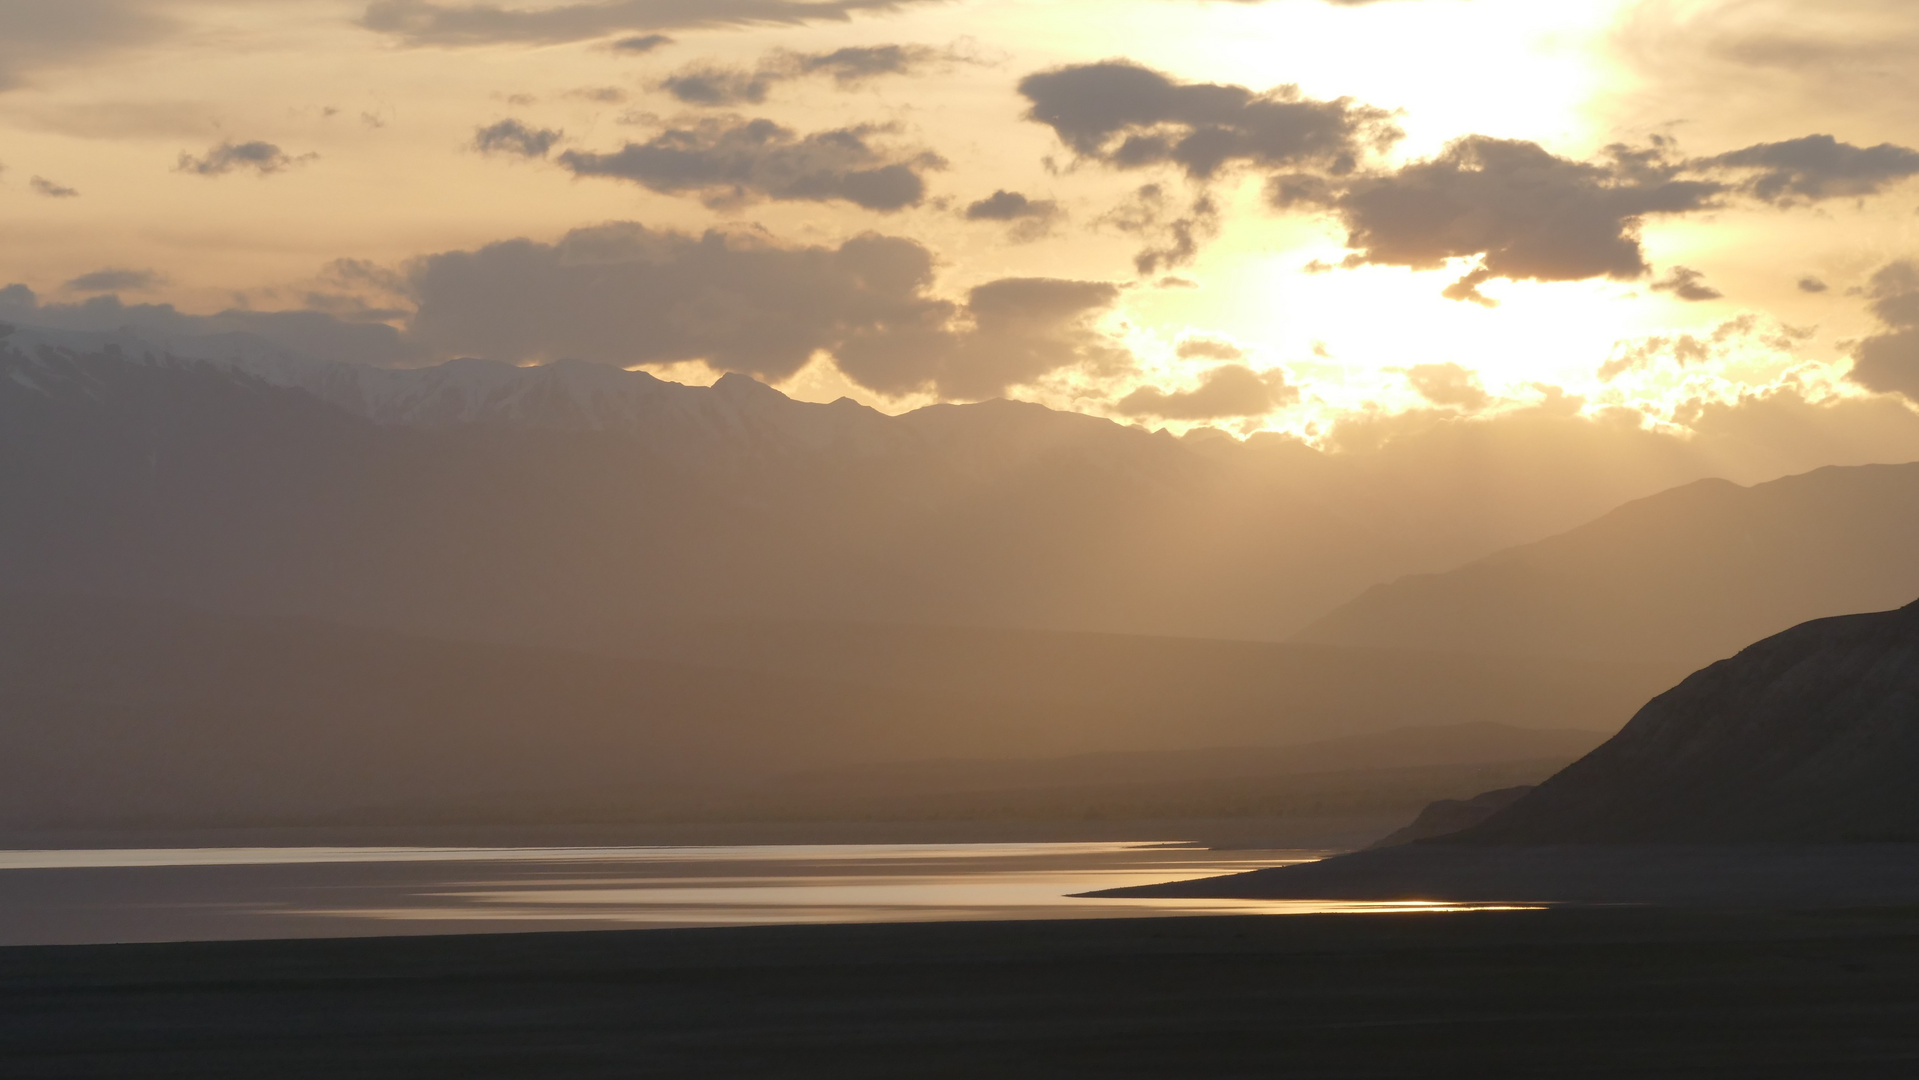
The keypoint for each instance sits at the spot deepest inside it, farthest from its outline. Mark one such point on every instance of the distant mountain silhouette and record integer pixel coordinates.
(1686, 576)
(1810, 736)
(570, 505)
(127, 714)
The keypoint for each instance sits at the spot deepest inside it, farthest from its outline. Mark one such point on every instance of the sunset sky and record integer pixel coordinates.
(1300, 215)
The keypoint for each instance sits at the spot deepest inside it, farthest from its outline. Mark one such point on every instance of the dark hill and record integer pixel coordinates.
(1782, 776)
(1810, 736)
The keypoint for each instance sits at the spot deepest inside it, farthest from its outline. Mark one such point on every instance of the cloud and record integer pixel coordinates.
(1687, 284)
(1817, 167)
(1812, 285)
(310, 332)
(1128, 116)
(263, 158)
(429, 22)
(1448, 385)
(717, 86)
(628, 295)
(1173, 238)
(1524, 213)
(709, 85)
(115, 279)
(1008, 333)
(1226, 392)
(43, 186)
(641, 44)
(1192, 348)
(599, 95)
(1527, 214)
(625, 294)
(731, 161)
(513, 137)
(38, 34)
(1030, 219)
(1003, 205)
(1889, 361)
(1728, 341)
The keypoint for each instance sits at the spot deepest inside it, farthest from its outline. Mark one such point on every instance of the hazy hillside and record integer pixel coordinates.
(1686, 576)
(128, 714)
(1808, 736)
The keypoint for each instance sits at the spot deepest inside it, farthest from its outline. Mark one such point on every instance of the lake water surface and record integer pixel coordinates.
(95, 896)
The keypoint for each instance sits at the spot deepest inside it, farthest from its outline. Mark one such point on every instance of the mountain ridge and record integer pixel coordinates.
(1691, 574)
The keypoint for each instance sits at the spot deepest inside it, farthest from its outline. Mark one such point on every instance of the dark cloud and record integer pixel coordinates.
(1226, 392)
(513, 137)
(1687, 284)
(43, 186)
(263, 158)
(1448, 385)
(1009, 332)
(1128, 116)
(1529, 215)
(1816, 167)
(1209, 349)
(625, 294)
(1889, 361)
(431, 22)
(729, 161)
(115, 279)
(641, 44)
(1003, 205)
(1024, 329)
(1525, 213)
(1812, 285)
(37, 34)
(710, 85)
(312, 333)
(1030, 218)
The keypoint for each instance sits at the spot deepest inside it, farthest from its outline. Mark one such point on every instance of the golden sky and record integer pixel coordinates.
(1170, 212)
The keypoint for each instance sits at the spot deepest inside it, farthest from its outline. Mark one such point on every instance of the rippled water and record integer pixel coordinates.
(220, 893)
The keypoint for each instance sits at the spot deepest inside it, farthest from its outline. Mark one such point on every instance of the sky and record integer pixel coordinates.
(1322, 218)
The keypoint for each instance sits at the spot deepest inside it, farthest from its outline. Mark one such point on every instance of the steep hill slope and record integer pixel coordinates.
(1687, 576)
(1811, 736)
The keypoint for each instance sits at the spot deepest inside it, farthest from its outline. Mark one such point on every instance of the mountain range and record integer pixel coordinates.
(244, 585)
(572, 505)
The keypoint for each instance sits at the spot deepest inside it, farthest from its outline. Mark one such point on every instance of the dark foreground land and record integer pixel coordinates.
(1574, 992)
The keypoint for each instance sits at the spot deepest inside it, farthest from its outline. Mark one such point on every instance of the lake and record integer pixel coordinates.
(80, 896)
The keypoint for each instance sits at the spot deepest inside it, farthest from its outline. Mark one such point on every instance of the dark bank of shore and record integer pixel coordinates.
(1778, 876)
(1568, 992)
